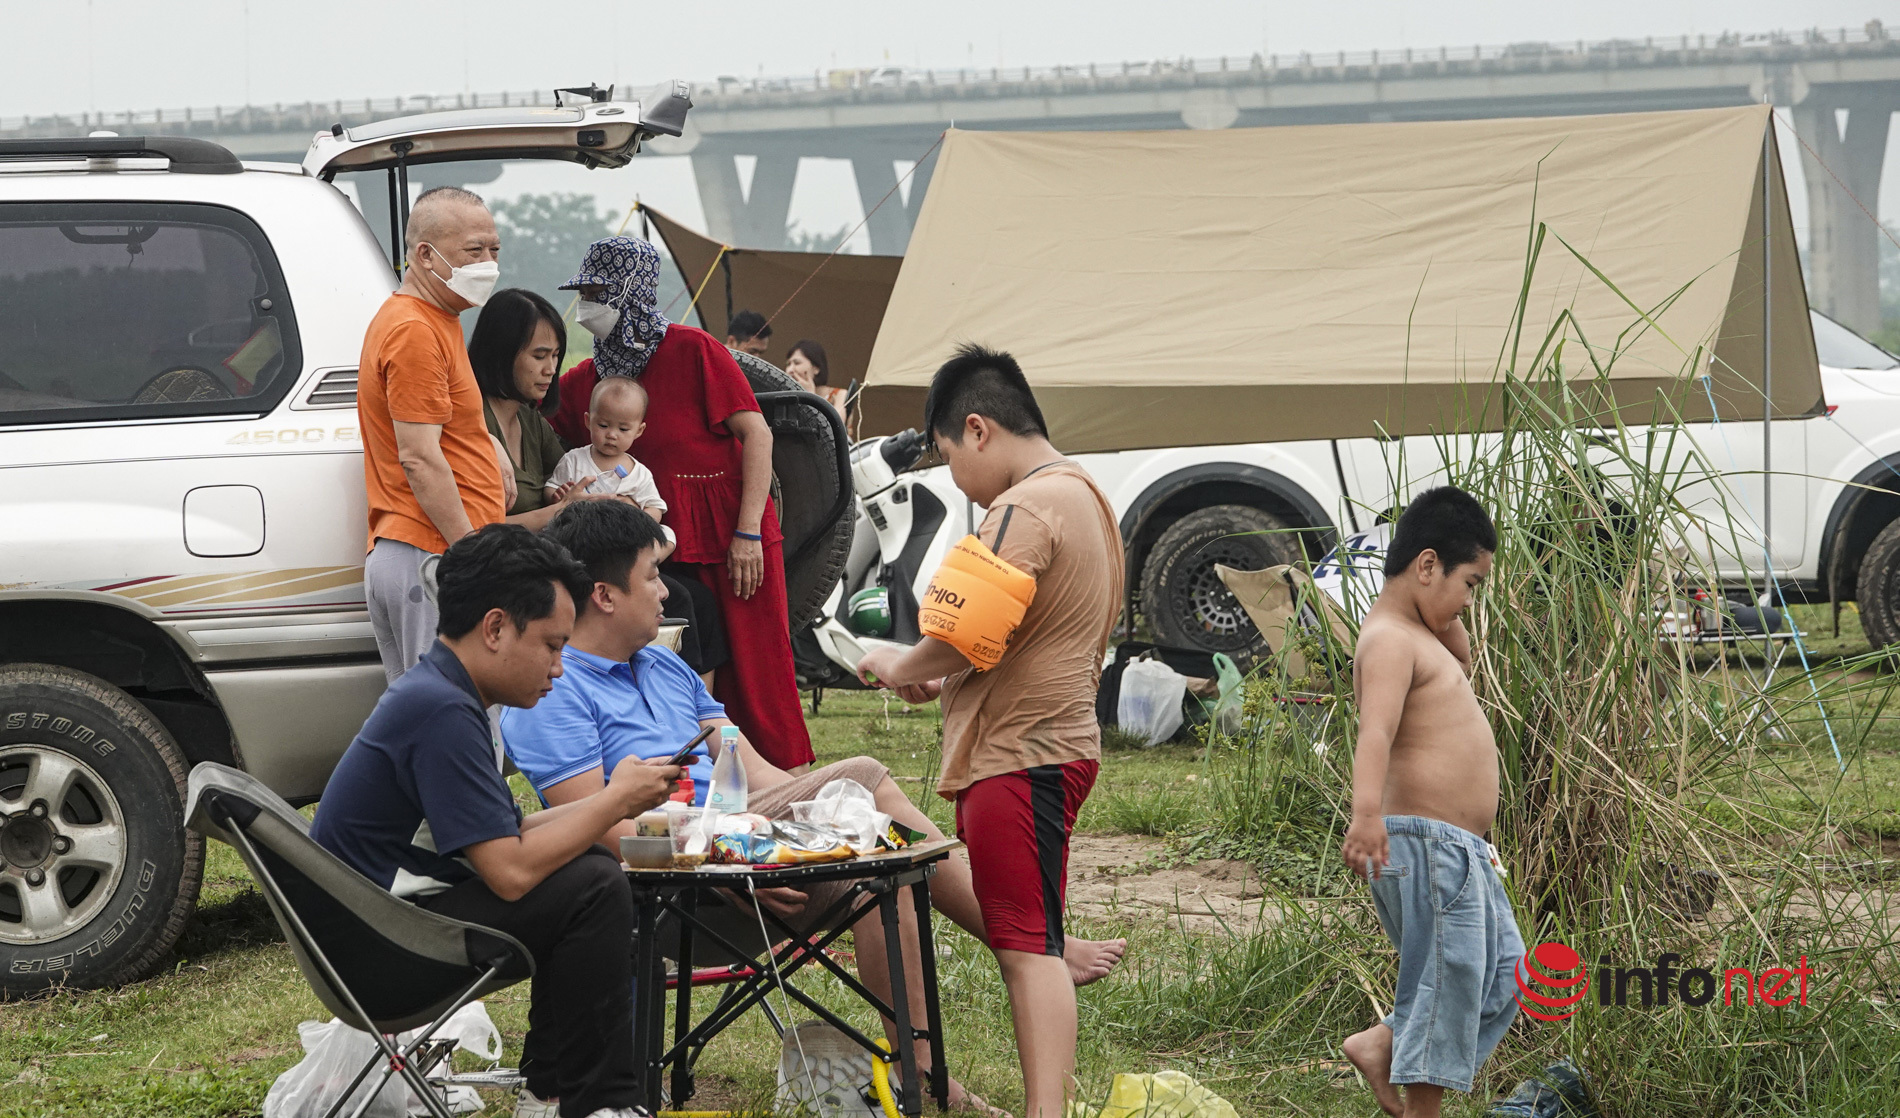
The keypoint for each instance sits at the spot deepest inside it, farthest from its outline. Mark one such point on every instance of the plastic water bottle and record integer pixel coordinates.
(727, 795)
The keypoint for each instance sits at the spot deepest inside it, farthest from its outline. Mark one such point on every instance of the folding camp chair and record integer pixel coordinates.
(379, 963)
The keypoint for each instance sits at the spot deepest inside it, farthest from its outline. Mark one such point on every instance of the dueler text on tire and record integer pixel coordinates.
(97, 872)
(1878, 589)
(1182, 597)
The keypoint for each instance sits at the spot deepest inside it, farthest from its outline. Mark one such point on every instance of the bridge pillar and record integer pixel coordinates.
(919, 183)
(748, 219)
(890, 221)
(1843, 241)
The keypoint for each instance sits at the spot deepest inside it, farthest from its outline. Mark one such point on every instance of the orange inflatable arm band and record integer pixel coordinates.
(974, 603)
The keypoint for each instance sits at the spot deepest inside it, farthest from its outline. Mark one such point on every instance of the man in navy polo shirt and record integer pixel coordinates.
(418, 805)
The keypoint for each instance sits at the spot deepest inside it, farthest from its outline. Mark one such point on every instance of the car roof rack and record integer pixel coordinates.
(187, 156)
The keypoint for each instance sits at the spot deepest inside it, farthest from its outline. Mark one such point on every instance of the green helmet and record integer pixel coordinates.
(868, 613)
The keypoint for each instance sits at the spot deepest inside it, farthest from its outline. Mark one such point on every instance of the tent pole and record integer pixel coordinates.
(1767, 345)
(725, 261)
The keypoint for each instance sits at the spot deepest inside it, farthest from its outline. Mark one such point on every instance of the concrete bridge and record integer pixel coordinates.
(1841, 86)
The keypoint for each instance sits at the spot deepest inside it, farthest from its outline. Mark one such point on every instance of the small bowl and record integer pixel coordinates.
(646, 852)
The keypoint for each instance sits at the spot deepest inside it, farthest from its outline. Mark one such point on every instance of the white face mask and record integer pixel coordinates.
(598, 319)
(474, 282)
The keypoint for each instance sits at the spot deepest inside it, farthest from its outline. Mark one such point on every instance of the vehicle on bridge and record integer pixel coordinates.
(181, 577)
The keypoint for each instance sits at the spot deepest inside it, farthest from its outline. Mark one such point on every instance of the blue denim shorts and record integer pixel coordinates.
(1444, 908)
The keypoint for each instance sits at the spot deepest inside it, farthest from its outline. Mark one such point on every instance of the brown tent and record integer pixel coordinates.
(1336, 281)
(840, 305)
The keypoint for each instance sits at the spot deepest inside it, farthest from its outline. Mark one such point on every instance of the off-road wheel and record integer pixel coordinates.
(1878, 589)
(1183, 598)
(97, 872)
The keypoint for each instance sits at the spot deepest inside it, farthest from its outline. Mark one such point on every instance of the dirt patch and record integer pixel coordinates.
(1122, 877)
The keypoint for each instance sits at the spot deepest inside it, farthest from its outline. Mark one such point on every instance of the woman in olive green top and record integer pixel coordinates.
(516, 351)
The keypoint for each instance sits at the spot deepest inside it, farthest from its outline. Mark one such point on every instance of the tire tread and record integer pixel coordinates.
(1212, 521)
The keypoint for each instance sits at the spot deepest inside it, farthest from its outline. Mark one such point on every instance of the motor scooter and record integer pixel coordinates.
(906, 520)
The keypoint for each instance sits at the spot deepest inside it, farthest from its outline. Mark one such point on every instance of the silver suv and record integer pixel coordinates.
(181, 488)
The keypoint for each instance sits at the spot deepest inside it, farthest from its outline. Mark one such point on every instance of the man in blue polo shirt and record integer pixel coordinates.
(624, 697)
(419, 806)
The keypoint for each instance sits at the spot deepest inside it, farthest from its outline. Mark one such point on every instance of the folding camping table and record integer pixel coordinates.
(875, 881)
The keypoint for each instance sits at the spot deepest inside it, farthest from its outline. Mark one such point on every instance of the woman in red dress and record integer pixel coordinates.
(711, 456)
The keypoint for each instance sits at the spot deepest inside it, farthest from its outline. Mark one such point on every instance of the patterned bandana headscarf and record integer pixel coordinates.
(630, 270)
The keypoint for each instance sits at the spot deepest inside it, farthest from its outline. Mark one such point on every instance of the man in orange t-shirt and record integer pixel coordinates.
(428, 462)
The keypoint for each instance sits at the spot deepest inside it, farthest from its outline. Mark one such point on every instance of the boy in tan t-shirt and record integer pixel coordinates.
(1020, 744)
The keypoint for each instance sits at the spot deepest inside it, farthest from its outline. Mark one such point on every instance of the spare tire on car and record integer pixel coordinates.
(811, 487)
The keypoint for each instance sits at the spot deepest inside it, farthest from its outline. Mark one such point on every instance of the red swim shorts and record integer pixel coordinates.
(1017, 829)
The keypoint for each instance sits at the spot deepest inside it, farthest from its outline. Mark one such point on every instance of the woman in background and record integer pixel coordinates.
(711, 455)
(807, 365)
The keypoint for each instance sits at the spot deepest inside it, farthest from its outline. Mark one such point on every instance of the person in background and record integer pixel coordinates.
(807, 366)
(516, 351)
(419, 806)
(711, 455)
(748, 332)
(429, 466)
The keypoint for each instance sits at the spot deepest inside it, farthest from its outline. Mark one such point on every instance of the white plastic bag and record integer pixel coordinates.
(1150, 705)
(852, 809)
(471, 1030)
(335, 1052)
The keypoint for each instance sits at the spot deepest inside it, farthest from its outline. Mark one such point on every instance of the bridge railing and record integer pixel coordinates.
(897, 80)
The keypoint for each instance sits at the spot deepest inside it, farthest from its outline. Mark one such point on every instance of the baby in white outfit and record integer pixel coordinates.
(616, 415)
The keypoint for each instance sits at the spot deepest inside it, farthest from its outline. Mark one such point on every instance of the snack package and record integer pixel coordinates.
(897, 836)
(744, 850)
(781, 844)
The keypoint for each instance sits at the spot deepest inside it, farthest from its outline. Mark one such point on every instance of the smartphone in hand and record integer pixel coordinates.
(686, 751)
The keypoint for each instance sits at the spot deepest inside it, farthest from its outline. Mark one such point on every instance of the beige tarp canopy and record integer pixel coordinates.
(1260, 284)
(841, 303)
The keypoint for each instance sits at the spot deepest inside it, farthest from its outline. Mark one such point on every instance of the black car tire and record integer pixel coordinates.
(111, 873)
(1182, 596)
(1878, 589)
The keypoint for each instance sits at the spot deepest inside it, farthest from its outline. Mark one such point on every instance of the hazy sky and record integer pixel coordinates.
(74, 55)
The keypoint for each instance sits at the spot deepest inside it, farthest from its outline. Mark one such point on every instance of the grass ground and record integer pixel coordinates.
(1250, 1015)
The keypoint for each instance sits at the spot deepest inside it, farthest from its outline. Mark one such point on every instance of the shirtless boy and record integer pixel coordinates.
(1424, 791)
(1020, 743)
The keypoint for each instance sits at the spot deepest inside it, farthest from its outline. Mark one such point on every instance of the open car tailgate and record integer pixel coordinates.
(594, 134)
